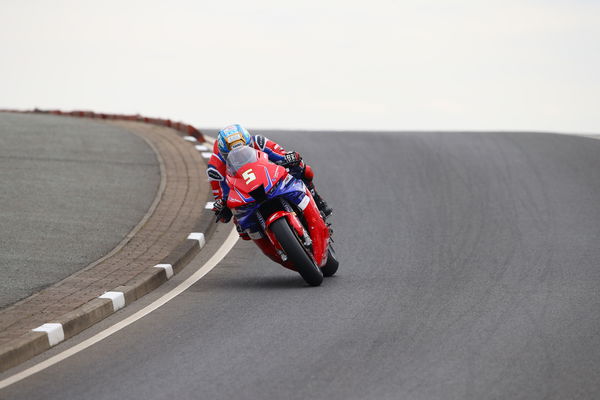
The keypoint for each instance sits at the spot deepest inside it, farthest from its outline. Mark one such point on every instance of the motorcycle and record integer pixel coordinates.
(265, 197)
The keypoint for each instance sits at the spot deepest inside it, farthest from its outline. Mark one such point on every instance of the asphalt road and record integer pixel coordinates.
(469, 270)
(71, 190)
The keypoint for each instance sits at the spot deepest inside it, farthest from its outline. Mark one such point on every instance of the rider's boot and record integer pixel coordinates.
(307, 176)
(321, 204)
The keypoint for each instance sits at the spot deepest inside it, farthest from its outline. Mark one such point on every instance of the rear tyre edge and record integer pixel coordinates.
(332, 264)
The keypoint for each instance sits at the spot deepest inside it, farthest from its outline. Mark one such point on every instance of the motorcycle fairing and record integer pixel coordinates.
(248, 174)
(249, 178)
(244, 207)
(317, 229)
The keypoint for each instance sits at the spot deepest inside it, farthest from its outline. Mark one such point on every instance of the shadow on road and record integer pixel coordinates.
(272, 282)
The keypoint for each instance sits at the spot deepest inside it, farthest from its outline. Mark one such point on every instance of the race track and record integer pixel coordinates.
(470, 267)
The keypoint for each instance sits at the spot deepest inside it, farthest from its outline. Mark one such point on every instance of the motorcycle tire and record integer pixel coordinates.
(296, 252)
(332, 264)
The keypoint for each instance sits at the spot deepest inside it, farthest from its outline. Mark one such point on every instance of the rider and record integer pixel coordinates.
(234, 136)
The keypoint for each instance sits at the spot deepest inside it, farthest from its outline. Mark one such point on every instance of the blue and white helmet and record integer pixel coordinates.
(231, 137)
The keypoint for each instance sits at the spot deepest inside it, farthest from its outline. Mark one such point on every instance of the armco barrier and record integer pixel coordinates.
(58, 329)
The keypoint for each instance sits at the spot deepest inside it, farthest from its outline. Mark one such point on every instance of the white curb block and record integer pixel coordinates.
(206, 154)
(54, 331)
(118, 299)
(199, 237)
(209, 205)
(201, 147)
(168, 269)
(190, 139)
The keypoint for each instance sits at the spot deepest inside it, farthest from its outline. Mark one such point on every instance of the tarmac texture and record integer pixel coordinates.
(468, 270)
(71, 190)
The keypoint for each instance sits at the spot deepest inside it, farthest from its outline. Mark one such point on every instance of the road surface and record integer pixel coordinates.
(469, 270)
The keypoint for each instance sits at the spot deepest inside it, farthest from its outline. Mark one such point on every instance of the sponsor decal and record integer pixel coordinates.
(260, 141)
(232, 138)
(214, 175)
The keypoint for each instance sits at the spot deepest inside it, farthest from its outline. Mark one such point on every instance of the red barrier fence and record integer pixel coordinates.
(179, 126)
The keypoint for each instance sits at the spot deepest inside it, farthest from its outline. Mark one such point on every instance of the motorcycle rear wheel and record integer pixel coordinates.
(332, 264)
(296, 252)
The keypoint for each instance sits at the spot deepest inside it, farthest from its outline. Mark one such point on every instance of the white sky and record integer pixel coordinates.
(327, 64)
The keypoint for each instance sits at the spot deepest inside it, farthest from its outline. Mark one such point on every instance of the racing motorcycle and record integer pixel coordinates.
(265, 197)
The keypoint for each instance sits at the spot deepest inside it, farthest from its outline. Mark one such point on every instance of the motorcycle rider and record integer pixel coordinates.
(234, 136)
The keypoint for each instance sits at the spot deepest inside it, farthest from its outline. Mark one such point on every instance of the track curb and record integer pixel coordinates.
(73, 322)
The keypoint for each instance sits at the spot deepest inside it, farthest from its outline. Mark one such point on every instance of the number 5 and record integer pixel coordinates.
(249, 176)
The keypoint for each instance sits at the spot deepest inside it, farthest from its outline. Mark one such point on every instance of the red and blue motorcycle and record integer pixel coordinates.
(269, 202)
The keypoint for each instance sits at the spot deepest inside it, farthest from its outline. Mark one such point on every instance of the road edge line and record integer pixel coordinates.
(221, 252)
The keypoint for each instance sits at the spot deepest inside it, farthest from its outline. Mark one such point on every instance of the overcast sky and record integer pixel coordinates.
(327, 64)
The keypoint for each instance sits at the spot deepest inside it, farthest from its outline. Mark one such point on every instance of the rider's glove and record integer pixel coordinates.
(222, 212)
(291, 159)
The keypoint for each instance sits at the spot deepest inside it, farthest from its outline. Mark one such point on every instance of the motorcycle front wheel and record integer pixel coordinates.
(296, 252)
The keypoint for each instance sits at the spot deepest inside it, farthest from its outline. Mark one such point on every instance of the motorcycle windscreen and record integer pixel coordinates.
(239, 157)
